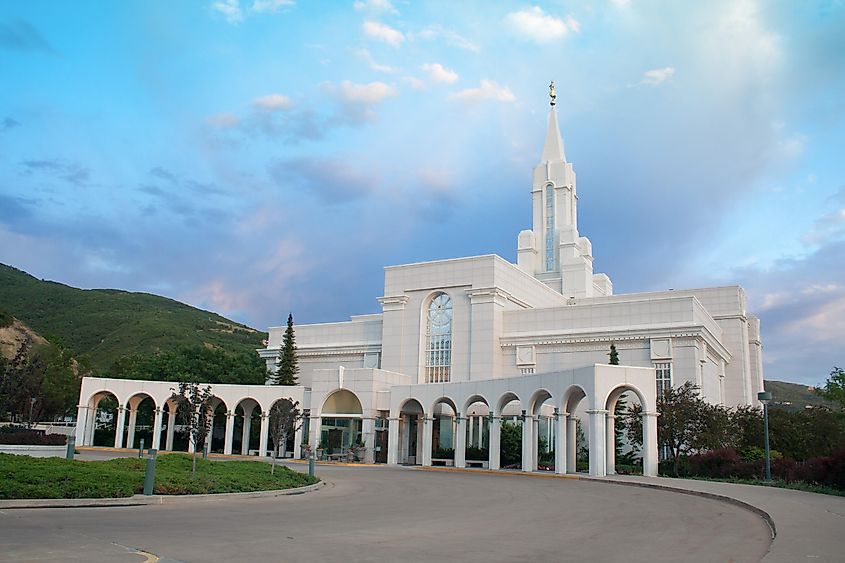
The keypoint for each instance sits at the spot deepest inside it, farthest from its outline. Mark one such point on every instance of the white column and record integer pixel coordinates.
(262, 441)
(571, 444)
(528, 443)
(428, 427)
(314, 426)
(230, 433)
(297, 442)
(118, 428)
(91, 426)
(461, 441)
(471, 430)
(246, 431)
(495, 441)
(130, 437)
(597, 441)
(560, 443)
(650, 444)
(159, 415)
(368, 429)
(393, 441)
(171, 429)
(81, 424)
(610, 446)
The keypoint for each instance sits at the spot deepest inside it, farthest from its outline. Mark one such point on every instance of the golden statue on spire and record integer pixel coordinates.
(552, 94)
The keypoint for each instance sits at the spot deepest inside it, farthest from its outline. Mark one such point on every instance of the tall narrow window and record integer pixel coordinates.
(438, 350)
(663, 371)
(550, 228)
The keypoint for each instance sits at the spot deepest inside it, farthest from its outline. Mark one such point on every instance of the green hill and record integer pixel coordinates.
(105, 325)
(794, 396)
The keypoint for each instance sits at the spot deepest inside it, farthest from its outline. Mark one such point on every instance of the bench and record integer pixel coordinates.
(442, 462)
(477, 463)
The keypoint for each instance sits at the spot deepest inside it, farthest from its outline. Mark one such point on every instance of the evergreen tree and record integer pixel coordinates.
(287, 366)
(614, 355)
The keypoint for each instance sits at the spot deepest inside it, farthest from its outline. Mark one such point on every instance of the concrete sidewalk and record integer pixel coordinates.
(808, 526)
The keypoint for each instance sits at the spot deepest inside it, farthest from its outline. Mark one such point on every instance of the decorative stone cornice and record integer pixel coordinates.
(494, 294)
(697, 332)
(393, 302)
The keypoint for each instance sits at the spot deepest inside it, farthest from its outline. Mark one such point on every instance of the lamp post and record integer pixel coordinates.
(764, 397)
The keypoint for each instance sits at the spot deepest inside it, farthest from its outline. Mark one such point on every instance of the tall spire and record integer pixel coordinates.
(553, 149)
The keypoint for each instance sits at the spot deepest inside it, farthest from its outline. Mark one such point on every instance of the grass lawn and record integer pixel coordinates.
(51, 477)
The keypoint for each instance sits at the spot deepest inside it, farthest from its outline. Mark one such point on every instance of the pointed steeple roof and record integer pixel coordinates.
(553, 148)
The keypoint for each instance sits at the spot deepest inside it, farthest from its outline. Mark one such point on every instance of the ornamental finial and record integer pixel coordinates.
(552, 94)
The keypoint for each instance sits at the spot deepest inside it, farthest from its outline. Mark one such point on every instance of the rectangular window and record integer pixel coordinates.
(663, 372)
(550, 228)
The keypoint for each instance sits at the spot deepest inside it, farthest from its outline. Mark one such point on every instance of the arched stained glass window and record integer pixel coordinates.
(438, 350)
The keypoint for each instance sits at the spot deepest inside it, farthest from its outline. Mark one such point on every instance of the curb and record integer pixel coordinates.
(767, 518)
(141, 500)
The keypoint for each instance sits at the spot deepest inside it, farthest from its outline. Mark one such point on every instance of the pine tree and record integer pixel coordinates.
(614, 355)
(287, 367)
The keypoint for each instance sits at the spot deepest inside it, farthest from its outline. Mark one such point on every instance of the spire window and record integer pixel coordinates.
(550, 228)
(438, 350)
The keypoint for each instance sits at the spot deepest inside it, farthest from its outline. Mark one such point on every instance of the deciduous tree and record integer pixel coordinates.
(285, 419)
(196, 416)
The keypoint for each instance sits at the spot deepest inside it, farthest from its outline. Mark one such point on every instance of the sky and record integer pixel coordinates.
(260, 157)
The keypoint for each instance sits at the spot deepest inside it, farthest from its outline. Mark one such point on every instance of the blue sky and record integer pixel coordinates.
(256, 157)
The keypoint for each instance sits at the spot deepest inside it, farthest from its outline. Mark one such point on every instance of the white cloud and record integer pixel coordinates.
(375, 6)
(365, 55)
(270, 5)
(413, 82)
(223, 120)
(273, 102)
(536, 25)
(657, 76)
(434, 32)
(367, 94)
(438, 73)
(231, 10)
(383, 32)
(487, 90)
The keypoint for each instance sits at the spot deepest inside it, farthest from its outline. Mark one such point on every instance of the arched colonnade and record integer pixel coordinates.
(593, 390)
(234, 407)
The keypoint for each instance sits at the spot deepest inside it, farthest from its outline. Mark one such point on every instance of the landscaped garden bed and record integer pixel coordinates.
(28, 477)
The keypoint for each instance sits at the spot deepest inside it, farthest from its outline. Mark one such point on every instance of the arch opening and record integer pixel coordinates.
(411, 427)
(444, 419)
(478, 419)
(542, 431)
(341, 424)
(511, 432)
(102, 424)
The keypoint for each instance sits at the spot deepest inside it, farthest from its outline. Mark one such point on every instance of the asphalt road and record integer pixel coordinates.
(396, 514)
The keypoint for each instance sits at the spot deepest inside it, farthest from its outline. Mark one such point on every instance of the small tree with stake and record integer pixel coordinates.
(195, 415)
(285, 419)
(287, 366)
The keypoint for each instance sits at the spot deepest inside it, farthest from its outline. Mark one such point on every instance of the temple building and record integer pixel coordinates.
(466, 345)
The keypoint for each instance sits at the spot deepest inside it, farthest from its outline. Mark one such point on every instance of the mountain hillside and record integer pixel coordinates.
(794, 397)
(105, 325)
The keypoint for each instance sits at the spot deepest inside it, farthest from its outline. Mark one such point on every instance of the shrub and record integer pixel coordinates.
(478, 454)
(26, 437)
(444, 453)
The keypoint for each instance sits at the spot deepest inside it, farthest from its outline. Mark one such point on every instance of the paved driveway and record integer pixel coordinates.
(396, 514)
